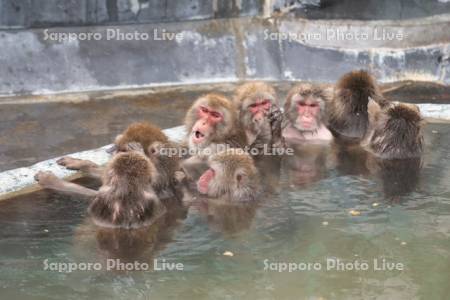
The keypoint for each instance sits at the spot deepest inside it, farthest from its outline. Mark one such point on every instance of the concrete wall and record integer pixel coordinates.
(220, 51)
(215, 47)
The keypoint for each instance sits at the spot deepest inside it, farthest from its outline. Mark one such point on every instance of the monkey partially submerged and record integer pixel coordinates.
(305, 114)
(259, 114)
(211, 126)
(349, 108)
(396, 132)
(125, 199)
(156, 147)
(231, 177)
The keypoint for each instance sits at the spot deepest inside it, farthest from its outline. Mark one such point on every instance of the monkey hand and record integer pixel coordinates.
(71, 163)
(46, 179)
(276, 124)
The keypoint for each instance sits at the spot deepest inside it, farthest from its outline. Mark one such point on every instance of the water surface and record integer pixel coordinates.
(404, 217)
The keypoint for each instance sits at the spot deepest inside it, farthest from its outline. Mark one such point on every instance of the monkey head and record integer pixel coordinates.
(254, 101)
(305, 106)
(144, 133)
(231, 174)
(130, 169)
(209, 120)
(397, 132)
(347, 112)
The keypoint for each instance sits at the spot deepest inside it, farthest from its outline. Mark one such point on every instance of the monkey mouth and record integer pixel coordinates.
(198, 136)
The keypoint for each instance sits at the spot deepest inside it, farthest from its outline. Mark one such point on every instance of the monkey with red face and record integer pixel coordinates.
(211, 124)
(305, 113)
(259, 114)
(231, 176)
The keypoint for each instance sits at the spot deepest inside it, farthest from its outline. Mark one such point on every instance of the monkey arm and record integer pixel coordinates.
(49, 181)
(277, 124)
(87, 167)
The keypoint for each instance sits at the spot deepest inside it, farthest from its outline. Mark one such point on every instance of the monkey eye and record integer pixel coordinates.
(204, 109)
(313, 105)
(301, 104)
(265, 102)
(215, 115)
(253, 105)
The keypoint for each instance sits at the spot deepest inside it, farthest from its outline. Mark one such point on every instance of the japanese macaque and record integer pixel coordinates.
(156, 146)
(396, 132)
(231, 177)
(348, 112)
(305, 112)
(259, 114)
(211, 123)
(125, 199)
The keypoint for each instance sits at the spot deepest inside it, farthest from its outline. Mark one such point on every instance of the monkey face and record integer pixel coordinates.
(230, 172)
(256, 108)
(210, 119)
(305, 112)
(207, 120)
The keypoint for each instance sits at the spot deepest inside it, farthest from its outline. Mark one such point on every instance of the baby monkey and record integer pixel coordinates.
(125, 199)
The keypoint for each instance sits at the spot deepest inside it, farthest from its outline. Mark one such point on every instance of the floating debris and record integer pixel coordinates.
(354, 213)
(45, 230)
(228, 253)
(375, 204)
(403, 243)
(325, 223)
(435, 131)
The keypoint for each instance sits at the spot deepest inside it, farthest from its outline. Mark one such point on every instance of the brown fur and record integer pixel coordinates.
(347, 112)
(123, 200)
(251, 89)
(398, 133)
(247, 94)
(144, 133)
(228, 165)
(306, 90)
(228, 131)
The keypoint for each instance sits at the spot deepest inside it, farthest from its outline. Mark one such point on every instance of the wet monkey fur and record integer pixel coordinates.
(211, 124)
(125, 199)
(349, 107)
(153, 142)
(231, 176)
(259, 114)
(397, 132)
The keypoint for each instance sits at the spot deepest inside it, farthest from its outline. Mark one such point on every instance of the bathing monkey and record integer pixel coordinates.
(126, 198)
(259, 114)
(305, 113)
(211, 125)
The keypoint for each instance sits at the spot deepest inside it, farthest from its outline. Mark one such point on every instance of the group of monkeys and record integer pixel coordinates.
(141, 174)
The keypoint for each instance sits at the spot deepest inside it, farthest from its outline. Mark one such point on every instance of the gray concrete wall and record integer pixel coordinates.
(222, 50)
(51, 13)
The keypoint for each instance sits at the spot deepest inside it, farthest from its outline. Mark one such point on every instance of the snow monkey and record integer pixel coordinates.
(231, 176)
(305, 112)
(353, 101)
(156, 146)
(259, 114)
(126, 198)
(211, 124)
